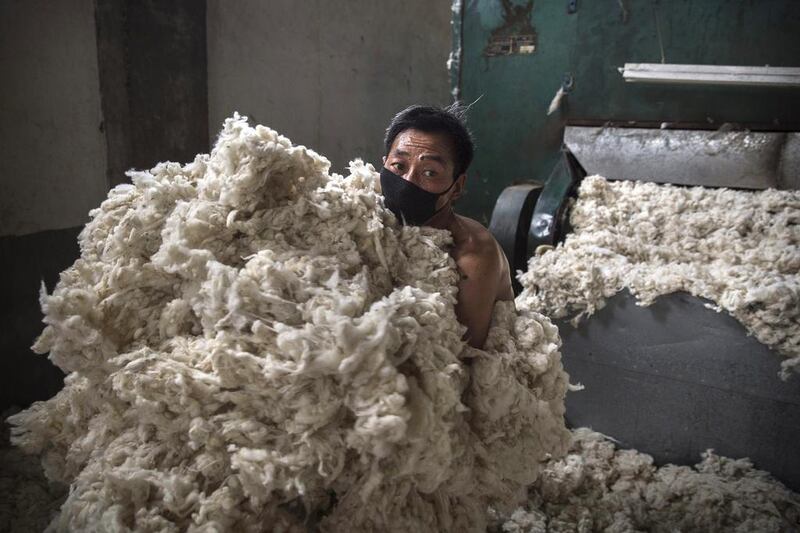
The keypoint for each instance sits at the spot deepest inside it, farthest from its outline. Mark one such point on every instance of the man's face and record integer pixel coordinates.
(426, 160)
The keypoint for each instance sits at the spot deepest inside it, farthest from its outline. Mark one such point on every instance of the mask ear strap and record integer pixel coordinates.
(450, 187)
(444, 192)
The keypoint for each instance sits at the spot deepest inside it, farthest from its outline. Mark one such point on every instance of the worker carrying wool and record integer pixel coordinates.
(428, 151)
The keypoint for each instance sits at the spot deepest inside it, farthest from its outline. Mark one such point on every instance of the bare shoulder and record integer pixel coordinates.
(484, 277)
(475, 245)
(480, 258)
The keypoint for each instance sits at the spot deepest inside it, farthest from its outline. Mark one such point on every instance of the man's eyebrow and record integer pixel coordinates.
(433, 157)
(430, 157)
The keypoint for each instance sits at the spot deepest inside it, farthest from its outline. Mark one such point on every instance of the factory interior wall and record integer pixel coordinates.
(152, 58)
(50, 131)
(51, 174)
(85, 96)
(328, 75)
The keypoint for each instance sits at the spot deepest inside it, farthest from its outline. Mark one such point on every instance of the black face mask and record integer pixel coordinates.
(411, 204)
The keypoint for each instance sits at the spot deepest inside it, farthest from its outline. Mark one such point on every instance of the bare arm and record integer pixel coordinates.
(477, 292)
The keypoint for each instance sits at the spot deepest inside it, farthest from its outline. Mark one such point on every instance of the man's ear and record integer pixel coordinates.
(383, 160)
(458, 188)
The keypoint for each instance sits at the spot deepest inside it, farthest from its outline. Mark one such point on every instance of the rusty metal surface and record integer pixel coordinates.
(516, 35)
(738, 159)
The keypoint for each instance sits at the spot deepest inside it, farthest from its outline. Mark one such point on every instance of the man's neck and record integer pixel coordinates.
(444, 219)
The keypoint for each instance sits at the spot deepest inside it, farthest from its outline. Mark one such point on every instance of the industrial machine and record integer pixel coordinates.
(534, 214)
(676, 378)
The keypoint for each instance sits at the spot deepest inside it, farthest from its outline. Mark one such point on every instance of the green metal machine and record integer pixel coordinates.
(676, 378)
(580, 45)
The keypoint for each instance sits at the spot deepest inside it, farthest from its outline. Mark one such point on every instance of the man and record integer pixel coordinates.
(428, 151)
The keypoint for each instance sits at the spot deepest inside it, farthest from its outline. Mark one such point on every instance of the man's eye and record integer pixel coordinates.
(397, 166)
(429, 173)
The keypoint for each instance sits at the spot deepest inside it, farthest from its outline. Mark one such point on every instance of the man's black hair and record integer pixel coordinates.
(450, 120)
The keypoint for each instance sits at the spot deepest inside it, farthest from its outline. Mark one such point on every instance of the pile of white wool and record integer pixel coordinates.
(739, 249)
(598, 488)
(254, 344)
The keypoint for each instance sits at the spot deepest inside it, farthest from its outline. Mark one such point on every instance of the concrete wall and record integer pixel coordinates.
(326, 74)
(52, 169)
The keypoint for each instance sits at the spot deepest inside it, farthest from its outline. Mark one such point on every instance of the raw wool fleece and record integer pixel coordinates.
(598, 488)
(254, 344)
(740, 249)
